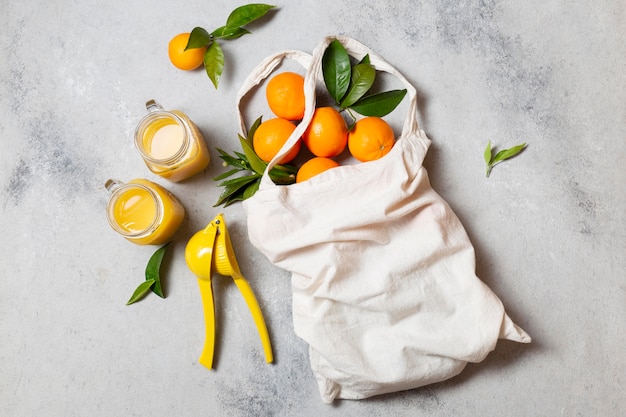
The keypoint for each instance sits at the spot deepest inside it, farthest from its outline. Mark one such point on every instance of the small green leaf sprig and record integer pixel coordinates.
(245, 186)
(349, 83)
(153, 277)
(233, 29)
(492, 160)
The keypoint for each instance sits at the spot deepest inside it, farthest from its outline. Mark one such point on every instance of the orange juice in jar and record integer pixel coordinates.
(170, 143)
(143, 212)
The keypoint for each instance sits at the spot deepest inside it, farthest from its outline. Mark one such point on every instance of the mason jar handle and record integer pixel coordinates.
(111, 185)
(152, 105)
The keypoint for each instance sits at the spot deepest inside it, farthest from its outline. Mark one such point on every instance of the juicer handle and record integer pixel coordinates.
(257, 315)
(206, 292)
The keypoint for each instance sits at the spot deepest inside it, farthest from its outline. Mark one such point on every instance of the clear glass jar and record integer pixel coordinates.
(170, 143)
(143, 212)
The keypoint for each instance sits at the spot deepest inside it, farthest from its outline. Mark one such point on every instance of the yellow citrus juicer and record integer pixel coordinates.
(210, 250)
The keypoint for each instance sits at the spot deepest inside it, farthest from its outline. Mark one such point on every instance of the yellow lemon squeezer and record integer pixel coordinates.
(210, 250)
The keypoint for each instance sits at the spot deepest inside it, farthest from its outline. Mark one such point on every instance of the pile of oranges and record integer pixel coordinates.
(326, 137)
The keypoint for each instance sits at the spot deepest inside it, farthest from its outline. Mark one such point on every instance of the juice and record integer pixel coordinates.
(166, 141)
(143, 212)
(135, 210)
(170, 144)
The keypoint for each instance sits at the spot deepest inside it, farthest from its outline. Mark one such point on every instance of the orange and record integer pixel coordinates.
(314, 166)
(270, 137)
(327, 135)
(285, 95)
(370, 139)
(184, 60)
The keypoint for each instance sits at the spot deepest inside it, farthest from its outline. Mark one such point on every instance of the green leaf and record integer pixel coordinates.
(234, 199)
(487, 153)
(234, 187)
(336, 70)
(283, 174)
(153, 270)
(251, 189)
(141, 291)
(235, 162)
(362, 79)
(487, 156)
(226, 174)
(236, 182)
(227, 196)
(244, 159)
(198, 38)
(380, 104)
(365, 60)
(214, 63)
(226, 32)
(507, 153)
(279, 175)
(283, 179)
(503, 155)
(246, 14)
(285, 168)
(277, 172)
(282, 171)
(253, 129)
(223, 199)
(256, 163)
(238, 196)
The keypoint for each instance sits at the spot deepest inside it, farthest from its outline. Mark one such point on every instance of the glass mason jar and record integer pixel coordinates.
(143, 212)
(170, 143)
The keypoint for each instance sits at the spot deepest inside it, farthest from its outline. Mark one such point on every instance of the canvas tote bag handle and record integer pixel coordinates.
(261, 72)
(313, 64)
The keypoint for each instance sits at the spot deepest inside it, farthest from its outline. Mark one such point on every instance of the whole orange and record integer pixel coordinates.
(270, 137)
(285, 95)
(327, 134)
(314, 166)
(371, 138)
(185, 60)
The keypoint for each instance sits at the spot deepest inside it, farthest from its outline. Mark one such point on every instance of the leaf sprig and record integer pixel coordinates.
(245, 186)
(492, 160)
(153, 277)
(349, 83)
(233, 29)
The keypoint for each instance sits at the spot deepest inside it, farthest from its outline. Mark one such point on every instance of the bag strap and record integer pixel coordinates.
(261, 72)
(313, 64)
(358, 51)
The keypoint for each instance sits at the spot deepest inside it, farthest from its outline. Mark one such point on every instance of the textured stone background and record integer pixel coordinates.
(548, 226)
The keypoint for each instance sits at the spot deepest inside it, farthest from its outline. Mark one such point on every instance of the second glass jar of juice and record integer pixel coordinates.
(170, 143)
(143, 212)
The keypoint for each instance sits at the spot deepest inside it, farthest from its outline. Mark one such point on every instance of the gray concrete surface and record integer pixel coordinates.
(548, 226)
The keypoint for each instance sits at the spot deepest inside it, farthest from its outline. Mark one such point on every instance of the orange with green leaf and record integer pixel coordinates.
(203, 43)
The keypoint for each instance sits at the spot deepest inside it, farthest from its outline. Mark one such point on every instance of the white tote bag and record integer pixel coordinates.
(383, 273)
